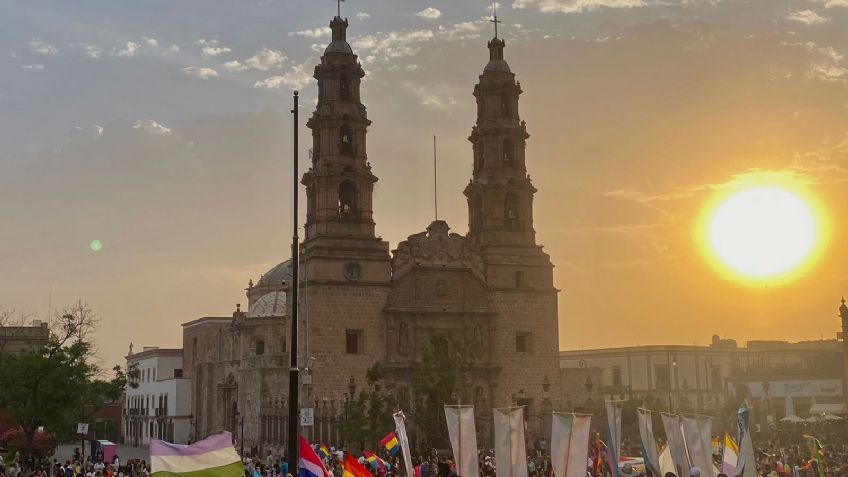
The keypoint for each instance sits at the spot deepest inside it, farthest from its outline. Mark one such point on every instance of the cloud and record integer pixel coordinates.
(200, 72)
(266, 59)
(152, 127)
(429, 13)
(464, 31)
(807, 17)
(576, 6)
(234, 66)
(171, 49)
(362, 16)
(833, 3)
(95, 130)
(131, 49)
(210, 48)
(296, 78)
(432, 97)
(318, 32)
(151, 42)
(36, 67)
(395, 44)
(93, 52)
(37, 45)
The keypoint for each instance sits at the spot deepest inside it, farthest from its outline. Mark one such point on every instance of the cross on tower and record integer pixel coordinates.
(495, 17)
(339, 7)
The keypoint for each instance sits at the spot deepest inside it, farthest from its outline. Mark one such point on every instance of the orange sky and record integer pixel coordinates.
(636, 115)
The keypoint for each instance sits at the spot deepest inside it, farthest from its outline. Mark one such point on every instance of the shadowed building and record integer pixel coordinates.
(362, 304)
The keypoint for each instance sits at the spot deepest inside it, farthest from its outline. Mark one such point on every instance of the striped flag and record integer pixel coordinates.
(391, 443)
(352, 468)
(818, 455)
(214, 456)
(730, 456)
(324, 451)
(308, 463)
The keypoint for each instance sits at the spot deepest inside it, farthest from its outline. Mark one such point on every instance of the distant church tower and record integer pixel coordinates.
(519, 274)
(346, 267)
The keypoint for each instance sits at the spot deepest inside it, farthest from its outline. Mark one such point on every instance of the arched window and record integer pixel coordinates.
(477, 212)
(508, 152)
(511, 211)
(478, 157)
(344, 87)
(347, 199)
(260, 347)
(345, 139)
(505, 112)
(310, 203)
(479, 397)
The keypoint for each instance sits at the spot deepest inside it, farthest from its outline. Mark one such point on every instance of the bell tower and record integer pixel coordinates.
(339, 184)
(500, 193)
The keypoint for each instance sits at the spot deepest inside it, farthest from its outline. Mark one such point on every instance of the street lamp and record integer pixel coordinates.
(351, 386)
(240, 418)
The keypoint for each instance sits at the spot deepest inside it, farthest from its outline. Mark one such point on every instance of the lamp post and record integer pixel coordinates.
(240, 419)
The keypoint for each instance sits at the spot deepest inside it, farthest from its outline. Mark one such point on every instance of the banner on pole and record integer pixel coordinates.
(400, 431)
(570, 444)
(676, 443)
(463, 437)
(613, 435)
(510, 448)
(700, 452)
(649, 442)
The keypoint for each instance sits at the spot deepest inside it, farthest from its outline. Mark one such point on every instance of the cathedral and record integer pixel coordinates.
(362, 303)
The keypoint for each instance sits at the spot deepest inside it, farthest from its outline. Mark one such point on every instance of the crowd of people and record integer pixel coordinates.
(74, 466)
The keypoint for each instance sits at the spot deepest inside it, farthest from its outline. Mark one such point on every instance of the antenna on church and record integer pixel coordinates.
(435, 180)
(495, 17)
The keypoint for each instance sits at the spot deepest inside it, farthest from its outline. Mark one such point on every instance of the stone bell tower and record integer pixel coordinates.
(346, 269)
(518, 273)
(843, 314)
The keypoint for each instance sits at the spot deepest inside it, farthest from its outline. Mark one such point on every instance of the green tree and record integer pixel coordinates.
(440, 378)
(59, 384)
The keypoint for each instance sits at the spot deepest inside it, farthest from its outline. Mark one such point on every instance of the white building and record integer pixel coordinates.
(160, 405)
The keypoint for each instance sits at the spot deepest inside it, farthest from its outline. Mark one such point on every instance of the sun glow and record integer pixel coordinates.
(763, 231)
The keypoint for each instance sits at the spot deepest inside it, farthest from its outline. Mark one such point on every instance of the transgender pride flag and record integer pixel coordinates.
(214, 456)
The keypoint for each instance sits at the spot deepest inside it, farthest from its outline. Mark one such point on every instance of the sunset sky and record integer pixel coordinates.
(162, 129)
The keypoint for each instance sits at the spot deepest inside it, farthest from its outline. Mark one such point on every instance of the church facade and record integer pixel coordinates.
(362, 303)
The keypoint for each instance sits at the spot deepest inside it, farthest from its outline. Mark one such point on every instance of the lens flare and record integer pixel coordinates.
(96, 245)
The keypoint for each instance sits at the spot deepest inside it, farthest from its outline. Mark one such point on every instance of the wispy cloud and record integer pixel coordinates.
(266, 59)
(317, 32)
(150, 126)
(128, 51)
(807, 17)
(576, 6)
(394, 44)
(362, 16)
(429, 13)
(437, 97)
(833, 3)
(200, 72)
(37, 67)
(234, 66)
(296, 78)
(37, 45)
(210, 48)
(93, 52)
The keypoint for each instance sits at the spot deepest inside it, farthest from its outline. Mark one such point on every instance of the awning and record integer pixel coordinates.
(827, 409)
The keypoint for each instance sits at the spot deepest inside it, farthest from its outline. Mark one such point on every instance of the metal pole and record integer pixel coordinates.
(293, 371)
(435, 180)
(241, 435)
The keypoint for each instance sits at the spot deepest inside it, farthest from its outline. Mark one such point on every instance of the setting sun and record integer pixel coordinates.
(762, 233)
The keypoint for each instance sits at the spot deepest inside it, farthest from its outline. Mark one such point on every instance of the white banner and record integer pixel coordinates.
(570, 444)
(400, 432)
(510, 449)
(614, 427)
(700, 452)
(463, 439)
(676, 444)
(649, 442)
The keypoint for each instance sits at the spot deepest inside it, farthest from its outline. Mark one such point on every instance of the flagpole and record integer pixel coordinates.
(294, 403)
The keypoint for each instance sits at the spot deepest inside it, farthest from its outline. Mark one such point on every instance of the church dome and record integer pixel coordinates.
(499, 66)
(270, 304)
(277, 275)
(339, 42)
(339, 46)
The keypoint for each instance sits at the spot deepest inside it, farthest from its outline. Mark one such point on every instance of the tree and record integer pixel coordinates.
(59, 384)
(440, 378)
(367, 419)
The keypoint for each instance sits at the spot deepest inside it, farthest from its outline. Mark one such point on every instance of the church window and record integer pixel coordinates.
(616, 375)
(522, 342)
(178, 372)
(344, 87)
(520, 280)
(260, 347)
(505, 105)
(310, 203)
(345, 139)
(353, 341)
(508, 152)
(511, 211)
(662, 376)
(478, 212)
(347, 199)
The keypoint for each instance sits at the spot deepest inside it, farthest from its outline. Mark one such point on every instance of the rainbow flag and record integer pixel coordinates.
(323, 451)
(391, 443)
(214, 456)
(375, 461)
